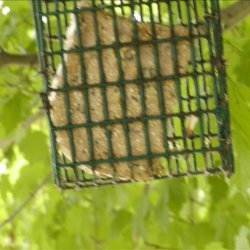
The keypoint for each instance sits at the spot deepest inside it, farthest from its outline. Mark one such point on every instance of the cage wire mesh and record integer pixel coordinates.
(134, 89)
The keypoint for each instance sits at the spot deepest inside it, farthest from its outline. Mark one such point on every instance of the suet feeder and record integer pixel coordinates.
(134, 90)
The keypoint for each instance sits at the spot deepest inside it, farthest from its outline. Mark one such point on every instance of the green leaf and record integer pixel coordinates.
(177, 194)
(34, 147)
(162, 208)
(242, 69)
(216, 245)
(219, 189)
(141, 213)
(30, 176)
(13, 111)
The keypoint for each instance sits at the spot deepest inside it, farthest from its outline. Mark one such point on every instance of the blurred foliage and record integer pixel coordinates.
(190, 213)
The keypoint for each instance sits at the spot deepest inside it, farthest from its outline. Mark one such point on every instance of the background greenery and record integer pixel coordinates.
(210, 213)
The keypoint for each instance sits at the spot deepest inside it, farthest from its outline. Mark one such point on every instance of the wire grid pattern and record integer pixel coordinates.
(200, 90)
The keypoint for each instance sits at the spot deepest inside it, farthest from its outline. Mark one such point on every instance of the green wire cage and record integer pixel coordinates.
(134, 90)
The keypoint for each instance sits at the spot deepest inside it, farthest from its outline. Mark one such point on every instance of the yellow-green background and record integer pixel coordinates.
(210, 213)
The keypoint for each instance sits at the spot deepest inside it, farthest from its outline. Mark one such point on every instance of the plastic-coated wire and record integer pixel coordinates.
(201, 90)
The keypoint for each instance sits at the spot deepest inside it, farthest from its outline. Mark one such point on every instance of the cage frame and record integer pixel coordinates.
(221, 111)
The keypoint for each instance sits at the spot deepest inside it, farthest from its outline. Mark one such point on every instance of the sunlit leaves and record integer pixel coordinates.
(242, 239)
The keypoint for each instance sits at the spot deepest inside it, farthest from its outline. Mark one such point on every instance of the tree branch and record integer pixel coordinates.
(235, 13)
(7, 58)
(25, 202)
